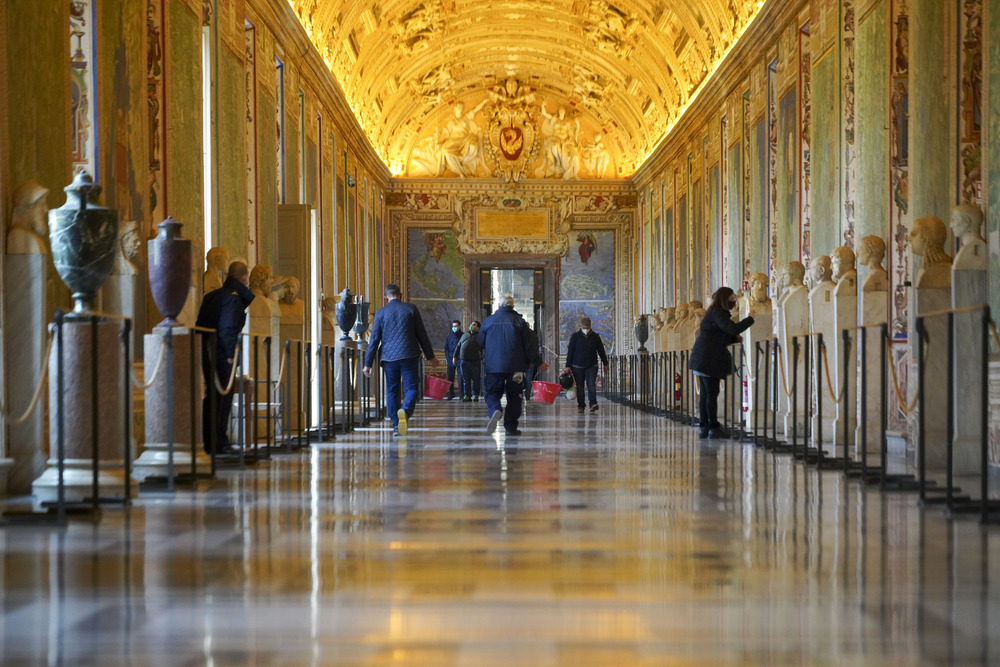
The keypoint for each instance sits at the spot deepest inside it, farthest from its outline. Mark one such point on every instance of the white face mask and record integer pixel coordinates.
(585, 331)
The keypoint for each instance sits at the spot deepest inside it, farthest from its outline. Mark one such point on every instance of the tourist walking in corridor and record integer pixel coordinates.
(398, 331)
(506, 353)
(711, 360)
(469, 357)
(585, 346)
(450, 345)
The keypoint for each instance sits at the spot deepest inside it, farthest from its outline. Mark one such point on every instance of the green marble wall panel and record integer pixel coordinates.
(930, 101)
(824, 144)
(232, 180)
(38, 72)
(992, 156)
(183, 118)
(267, 178)
(734, 216)
(714, 260)
(787, 209)
(291, 148)
(871, 138)
(760, 229)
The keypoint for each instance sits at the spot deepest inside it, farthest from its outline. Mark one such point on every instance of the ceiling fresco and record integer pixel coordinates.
(519, 89)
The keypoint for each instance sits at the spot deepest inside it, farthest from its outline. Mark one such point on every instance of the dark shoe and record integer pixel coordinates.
(594, 408)
(580, 410)
(512, 431)
(495, 418)
(703, 433)
(466, 399)
(717, 433)
(395, 433)
(476, 399)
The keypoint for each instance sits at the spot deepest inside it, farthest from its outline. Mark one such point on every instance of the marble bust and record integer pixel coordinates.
(871, 252)
(29, 226)
(966, 221)
(927, 237)
(667, 316)
(757, 299)
(790, 279)
(842, 262)
(681, 314)
(293, 310)
(128, 249)
(218, 263)
(262, 280)
(820, 271)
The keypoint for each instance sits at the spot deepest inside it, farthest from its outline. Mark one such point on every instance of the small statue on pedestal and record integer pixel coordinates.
(927, 238)
(844, 274)
(871, 252)
(966, 221)
(218, 263)
(29, 221)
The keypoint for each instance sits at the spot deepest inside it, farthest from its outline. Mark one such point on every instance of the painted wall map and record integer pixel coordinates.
(588, 286)
(436, 280)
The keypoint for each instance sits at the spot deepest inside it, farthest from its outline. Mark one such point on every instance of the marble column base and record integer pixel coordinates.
(155, 461)
(78, 480)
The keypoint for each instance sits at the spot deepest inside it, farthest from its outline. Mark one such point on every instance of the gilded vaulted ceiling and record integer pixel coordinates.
(520, 88)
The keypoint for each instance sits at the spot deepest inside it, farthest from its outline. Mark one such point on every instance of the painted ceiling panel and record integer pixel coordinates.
(518, 89)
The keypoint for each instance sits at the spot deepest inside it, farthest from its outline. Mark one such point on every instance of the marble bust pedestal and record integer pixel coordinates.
(264, 319)
(763, 322)
(822, 320)
(968, 288)
(292, 327)
(845, 304)
(155, 457)
(874, 310)
(25, 315)
(935, 360)
(792, 318)
(78, 397)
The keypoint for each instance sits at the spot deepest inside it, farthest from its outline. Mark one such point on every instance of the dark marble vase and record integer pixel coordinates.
(169, 270)
(361, 323)
(83, 236)
(347, 312)
(642, 331)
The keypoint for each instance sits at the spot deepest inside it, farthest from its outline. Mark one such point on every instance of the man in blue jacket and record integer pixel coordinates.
(450, 346)
(584, 347)
(506, 353)
(399, 332)
(224, 310)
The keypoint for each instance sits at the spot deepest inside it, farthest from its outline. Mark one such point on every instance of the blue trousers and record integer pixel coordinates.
(496, 385)
(585, 376)
(407, 371)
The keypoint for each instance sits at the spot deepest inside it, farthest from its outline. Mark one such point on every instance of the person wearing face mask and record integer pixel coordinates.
(711, 360)
(469, 358)
(585, 346)
(450, 345)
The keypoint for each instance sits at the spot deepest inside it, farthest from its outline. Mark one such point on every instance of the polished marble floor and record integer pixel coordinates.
(614, 538)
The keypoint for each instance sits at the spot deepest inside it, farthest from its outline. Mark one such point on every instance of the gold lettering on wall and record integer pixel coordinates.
(516, 224)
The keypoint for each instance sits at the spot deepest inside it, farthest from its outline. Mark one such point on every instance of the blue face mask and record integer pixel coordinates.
(455, 329)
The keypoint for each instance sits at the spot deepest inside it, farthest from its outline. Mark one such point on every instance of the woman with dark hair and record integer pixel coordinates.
(710, 357)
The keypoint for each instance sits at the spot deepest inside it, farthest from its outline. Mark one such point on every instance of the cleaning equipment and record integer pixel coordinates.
(545, 392)
(435, 387)
(566, 380)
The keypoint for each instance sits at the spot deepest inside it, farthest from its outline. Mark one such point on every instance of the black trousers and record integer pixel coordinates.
(219, 422)
(708, 401)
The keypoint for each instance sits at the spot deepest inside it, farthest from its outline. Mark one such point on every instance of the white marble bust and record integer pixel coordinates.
(668, 315)
(871, 252)
(842, 262)
(293, 310)
(820, 274)
(128, 249)
(218, 263)
(29, 224)
(790, 279)
(262, 281)
(927, 238)
(680, 315)
(757, 299)
(966, 222)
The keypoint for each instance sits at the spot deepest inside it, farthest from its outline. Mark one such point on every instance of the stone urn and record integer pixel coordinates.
(169, 270)
(642, 331)
(83, 236)
(361, 323)
(347, 312)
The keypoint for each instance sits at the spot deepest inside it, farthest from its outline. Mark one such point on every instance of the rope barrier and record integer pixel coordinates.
(784, 380)
(232, 374)
(836, 397)
(140, 384)
(907, 409)
(281, 370)
(38, 390)
(993, 330)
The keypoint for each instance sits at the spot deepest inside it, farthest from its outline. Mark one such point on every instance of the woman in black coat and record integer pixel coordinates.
(710, 357)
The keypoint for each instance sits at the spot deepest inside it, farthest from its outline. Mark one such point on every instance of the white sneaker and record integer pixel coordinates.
(401, 415)
(494, 420)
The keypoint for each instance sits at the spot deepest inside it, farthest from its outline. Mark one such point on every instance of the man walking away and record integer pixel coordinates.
(450, 345)
(399, 332)
(506, 354)
(585, 346)
(222, 309)
(469, 357)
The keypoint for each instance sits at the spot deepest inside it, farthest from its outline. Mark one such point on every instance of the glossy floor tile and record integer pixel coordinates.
(614, 538)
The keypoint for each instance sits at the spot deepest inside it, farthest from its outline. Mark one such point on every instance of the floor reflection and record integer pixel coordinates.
(608, 539)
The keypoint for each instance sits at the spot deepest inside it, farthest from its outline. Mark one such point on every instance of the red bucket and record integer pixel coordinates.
(435, 387)
(545, 392)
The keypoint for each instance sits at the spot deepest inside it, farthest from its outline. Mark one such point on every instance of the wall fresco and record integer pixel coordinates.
(587, 286)
(435, 280)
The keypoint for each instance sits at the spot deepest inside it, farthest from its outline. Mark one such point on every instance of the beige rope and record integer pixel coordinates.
(281, 369)
(907, 409)
(38, 390)
(993, 330)
(232, 374)
(139, 384)
(838, 396)
(784, 381)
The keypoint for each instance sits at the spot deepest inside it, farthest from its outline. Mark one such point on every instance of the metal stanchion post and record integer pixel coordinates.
(847, 388)
(950, 428)
(984, 407)
(307, 381)
(168, 341)
(795, 394)
(921, 444)
(125, 335)
(192, 405)
(94, 415)
(884, 397)
(863, 397)
(268, 398)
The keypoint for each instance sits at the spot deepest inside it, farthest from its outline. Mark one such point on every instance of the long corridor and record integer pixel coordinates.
(614, 538)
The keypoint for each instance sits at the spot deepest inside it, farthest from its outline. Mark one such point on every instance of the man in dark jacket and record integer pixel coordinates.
(469, 357)
(584, 347)
(450, 345)
(224, 310)
(506, 353)
(399, 332)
